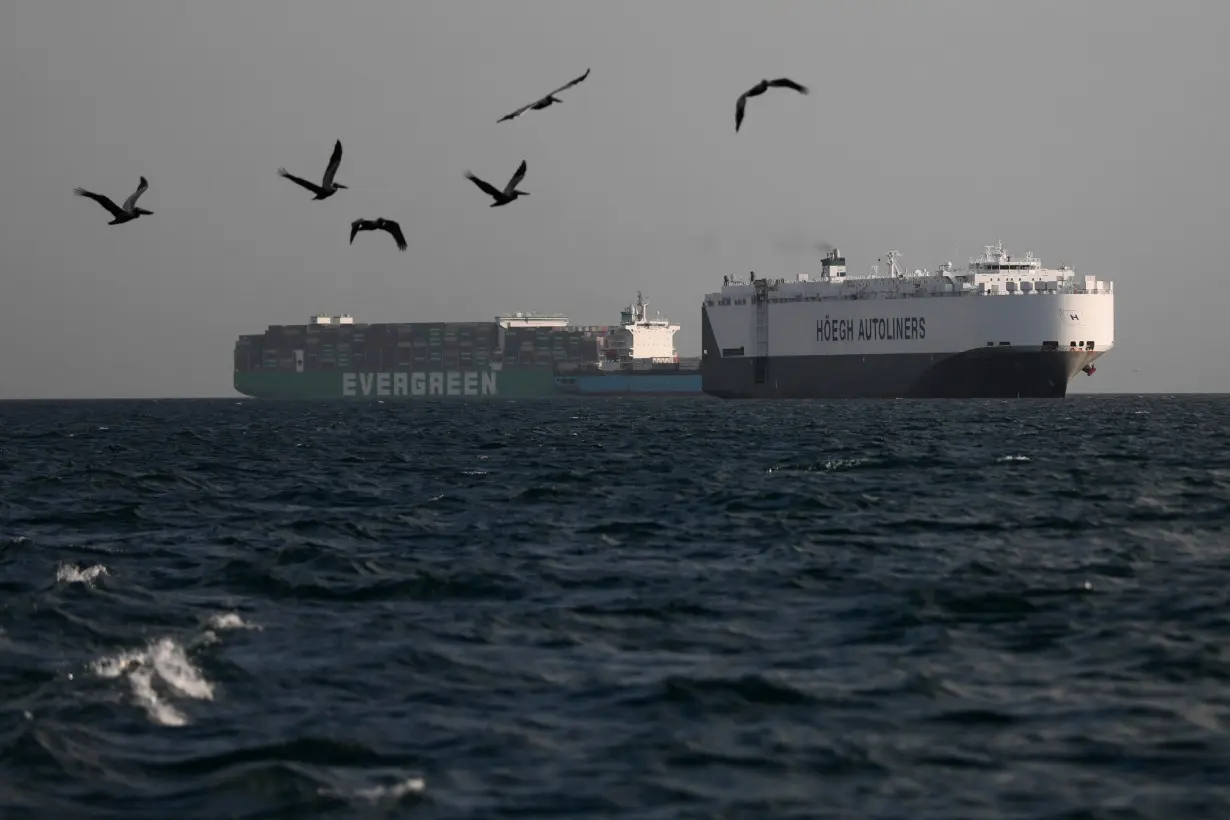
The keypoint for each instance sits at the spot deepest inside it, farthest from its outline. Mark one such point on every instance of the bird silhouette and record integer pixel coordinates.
(380, 224)
(128, 212)
(760, 88)
(510, 191)
(543, 102)
(327, 186)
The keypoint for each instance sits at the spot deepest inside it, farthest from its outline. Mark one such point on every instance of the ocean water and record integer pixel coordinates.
(615, 608)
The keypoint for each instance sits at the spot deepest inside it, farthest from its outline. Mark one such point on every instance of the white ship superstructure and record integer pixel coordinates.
(640, 342)
(1005, 327)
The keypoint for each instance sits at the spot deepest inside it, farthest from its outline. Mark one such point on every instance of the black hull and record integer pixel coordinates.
(984, 372)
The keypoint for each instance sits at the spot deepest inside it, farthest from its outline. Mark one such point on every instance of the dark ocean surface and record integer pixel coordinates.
(615, 608)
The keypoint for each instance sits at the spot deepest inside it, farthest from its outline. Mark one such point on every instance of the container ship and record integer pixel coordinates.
(1006, 327)
(520, 355)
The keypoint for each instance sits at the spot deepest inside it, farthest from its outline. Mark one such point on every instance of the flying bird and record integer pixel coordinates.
(327, 186)
(760, 88)
(380, 224)
(128, 212)
(542, 103)
(510, 191)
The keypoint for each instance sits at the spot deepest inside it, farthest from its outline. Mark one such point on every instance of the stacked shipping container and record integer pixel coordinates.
(550, 345)
(415, 346)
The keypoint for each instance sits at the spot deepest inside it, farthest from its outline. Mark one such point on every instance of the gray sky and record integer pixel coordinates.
(1091, 133)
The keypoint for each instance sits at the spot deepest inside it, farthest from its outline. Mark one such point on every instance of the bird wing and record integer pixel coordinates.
(101, 200)
(311, 186)
(131, 202)
(569, 84)
(395, 231)
(516, 178)
(739, 107)
(334, 161)
(758, 89)
(784, 82)
(519, 111)
(528, 106)
(355, 227)
(491, 190)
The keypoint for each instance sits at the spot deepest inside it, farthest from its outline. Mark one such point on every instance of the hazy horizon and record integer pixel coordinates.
(1087, 132)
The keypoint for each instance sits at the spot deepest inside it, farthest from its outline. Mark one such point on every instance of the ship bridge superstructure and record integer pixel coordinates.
(997, 272)
(531, 319)
(639, 341)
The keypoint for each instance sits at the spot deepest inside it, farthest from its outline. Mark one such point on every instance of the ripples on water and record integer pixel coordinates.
(651, 609)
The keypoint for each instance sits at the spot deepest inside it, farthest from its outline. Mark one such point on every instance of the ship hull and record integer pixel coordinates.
(399, 385)
(509, 382)
(999, 371)
(668, 383)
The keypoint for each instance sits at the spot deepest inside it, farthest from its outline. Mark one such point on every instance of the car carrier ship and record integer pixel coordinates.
(1006, 327)
(520, 355)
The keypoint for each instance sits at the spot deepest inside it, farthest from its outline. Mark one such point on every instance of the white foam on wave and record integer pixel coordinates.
(163, 665)
(831, 464)
(73, 574)
(162, 671)
(1014, 458)
(374, 794)
(229, 620)
(396, 791)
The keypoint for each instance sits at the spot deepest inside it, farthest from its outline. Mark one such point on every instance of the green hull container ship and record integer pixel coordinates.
(522, 355)
(379, 384)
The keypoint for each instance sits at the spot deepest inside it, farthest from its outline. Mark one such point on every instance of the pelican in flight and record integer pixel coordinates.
(327, 186)
(128, 212)
(542, 103)
(510, 191)
(380, 224)
(760, 88)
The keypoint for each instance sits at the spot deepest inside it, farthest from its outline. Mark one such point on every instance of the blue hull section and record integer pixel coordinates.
(672, 384)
